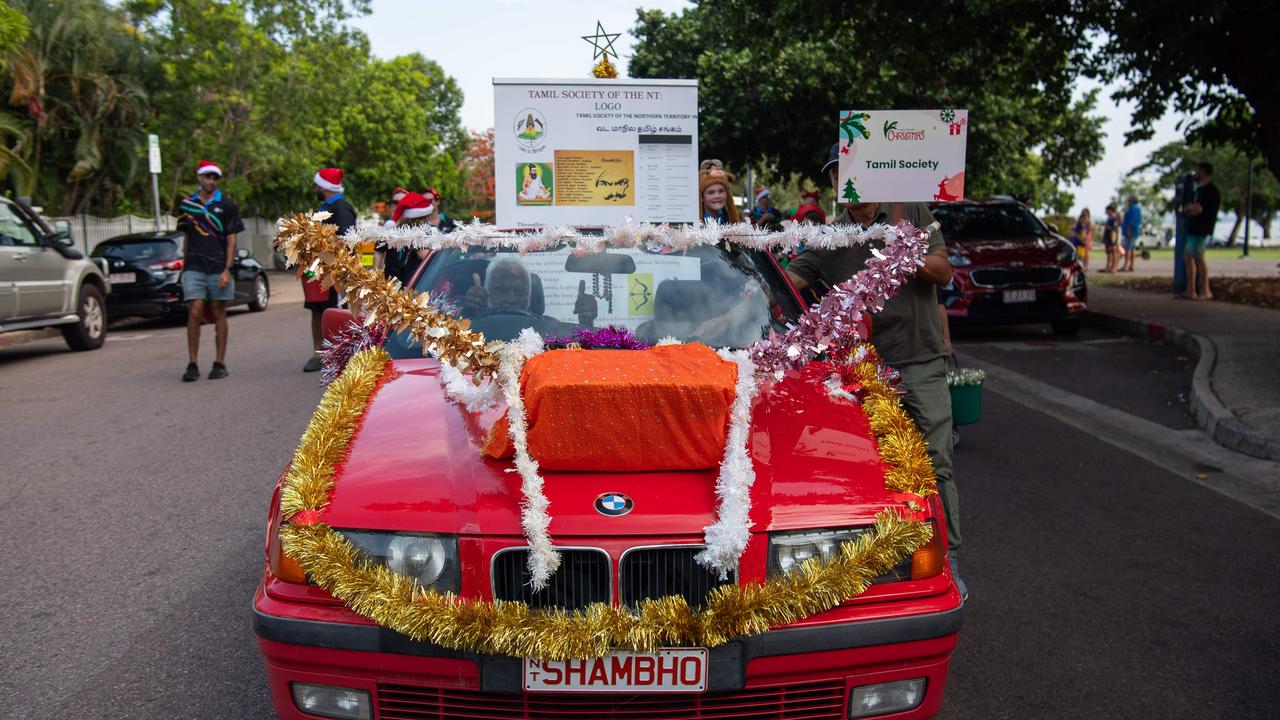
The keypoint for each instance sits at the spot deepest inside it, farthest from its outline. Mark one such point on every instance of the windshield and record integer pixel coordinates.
(719, 297)
(138, 251)
(985, 222)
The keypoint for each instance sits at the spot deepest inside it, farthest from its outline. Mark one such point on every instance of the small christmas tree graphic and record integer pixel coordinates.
(850, 192)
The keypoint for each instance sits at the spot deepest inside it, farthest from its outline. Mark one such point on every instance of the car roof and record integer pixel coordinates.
(144, 237)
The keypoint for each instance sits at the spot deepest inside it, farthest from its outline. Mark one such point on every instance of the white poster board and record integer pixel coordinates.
(592, 153)
(902, 155)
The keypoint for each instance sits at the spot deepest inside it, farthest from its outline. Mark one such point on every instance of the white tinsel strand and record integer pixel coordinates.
(543, 558)
(727, 538)
(475, 398)
(654, 238)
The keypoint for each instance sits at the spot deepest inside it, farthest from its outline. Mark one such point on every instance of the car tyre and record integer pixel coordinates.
(261, 294)
(91, 330)
(1067, 326)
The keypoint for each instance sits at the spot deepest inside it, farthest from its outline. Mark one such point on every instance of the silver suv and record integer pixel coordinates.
(45, 282)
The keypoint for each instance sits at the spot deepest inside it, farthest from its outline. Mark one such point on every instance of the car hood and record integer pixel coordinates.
(1029, 249)
(415, 465)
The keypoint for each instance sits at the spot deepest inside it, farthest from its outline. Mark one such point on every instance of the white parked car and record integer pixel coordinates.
(45, 282)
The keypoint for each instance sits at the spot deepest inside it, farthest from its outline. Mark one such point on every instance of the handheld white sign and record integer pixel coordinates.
(902, 155)
(595, 152)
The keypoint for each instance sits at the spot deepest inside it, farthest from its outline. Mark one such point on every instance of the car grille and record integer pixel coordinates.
(584, 577)
(650, 573)
(1001, 277)
(810, 701)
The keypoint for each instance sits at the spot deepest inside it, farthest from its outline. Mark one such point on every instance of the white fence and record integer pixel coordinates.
(87, 231)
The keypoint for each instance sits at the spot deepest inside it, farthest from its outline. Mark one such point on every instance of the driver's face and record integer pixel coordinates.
(509, 288)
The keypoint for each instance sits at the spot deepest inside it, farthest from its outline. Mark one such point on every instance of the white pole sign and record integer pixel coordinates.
(153, 153)
(592, 153)
(902, 155)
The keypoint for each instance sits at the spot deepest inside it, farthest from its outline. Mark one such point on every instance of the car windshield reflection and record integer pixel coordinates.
(712, 295)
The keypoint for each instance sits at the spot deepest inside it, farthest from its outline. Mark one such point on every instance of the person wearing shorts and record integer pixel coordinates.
(210, 224)
(1129, 229)
(1202, 215)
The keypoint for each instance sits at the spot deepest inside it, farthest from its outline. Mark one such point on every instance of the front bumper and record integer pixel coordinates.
(814, 665)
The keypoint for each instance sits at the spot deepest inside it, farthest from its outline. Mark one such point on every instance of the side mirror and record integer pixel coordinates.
(242, 253)
(62, 233)
(334, 321)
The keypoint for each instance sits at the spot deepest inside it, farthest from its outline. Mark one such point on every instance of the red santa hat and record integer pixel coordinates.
(813, 196)
(762, 192)
(206, 167)
(329, 179)
(412, 206)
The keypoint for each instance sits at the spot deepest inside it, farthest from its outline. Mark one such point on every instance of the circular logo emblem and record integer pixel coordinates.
(613, 504)
(529, 128)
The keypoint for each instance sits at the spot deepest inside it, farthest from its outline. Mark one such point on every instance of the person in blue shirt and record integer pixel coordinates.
(316, 298)
(1130, 227)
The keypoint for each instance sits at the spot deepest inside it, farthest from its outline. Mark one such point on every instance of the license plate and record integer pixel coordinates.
(1019, 296)
(670, 670)
(122, 278)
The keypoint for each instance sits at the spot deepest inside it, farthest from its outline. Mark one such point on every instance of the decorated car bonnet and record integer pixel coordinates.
(722, 384)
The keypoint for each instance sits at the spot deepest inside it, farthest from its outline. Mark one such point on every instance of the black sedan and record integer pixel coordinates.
(146, 276)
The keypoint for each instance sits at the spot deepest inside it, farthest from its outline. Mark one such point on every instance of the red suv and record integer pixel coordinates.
(1008, 267)
(415, 494)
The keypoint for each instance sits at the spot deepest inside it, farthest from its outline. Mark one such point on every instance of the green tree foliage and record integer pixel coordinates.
(773, 77)
(270, 89)
(1230, 173)
(1212, 60)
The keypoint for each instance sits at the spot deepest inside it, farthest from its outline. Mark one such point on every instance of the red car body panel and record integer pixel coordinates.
(414, 465)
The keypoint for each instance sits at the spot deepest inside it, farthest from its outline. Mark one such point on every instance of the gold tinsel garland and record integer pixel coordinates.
(900, 444)
(511, 628)
(307, 242)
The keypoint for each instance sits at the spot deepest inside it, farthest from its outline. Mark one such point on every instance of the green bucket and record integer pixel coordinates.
(966, 404)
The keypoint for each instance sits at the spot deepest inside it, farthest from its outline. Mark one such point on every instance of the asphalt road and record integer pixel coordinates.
(132, 511)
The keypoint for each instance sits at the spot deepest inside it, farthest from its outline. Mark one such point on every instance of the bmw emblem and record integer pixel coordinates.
(613, 504)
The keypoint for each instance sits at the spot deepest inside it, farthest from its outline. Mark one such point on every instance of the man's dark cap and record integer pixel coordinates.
(833, 157)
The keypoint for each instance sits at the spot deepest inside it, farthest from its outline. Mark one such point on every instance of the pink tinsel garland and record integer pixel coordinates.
(834, 325)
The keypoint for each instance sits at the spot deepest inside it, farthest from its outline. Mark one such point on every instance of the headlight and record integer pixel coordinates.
(789, 550)
(1066, 253)
(432, 560)
(958, 260)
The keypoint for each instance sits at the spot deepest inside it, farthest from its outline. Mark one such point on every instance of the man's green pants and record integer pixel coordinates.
(928, 402)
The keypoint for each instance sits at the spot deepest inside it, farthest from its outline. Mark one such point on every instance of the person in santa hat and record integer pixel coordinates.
(412, 209)
(764, 214)
(810, 209)
(316, 297)
(210, 223)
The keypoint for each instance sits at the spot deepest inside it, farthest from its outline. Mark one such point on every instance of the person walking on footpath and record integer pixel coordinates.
(1111, 238)
(1082, 236)
(1202, 215)
(210, 224)
(1130, 228)
(908, 331)
(316, 297)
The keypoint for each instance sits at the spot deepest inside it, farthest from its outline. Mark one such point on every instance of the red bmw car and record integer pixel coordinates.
(415, 494)
(1009, 267)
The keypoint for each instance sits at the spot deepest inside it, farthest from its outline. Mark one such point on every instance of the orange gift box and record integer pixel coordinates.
(665, 408)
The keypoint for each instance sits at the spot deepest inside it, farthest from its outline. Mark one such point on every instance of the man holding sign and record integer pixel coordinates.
(907, 332)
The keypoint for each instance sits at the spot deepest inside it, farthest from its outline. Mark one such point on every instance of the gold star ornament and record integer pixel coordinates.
(602, 42)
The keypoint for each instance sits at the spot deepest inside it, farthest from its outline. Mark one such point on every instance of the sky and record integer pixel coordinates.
(478, 40)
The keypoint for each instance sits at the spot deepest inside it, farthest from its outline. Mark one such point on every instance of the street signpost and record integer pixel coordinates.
(153, 159)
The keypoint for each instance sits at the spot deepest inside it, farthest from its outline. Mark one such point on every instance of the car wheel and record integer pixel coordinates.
(1067, 326)
(91, 330)
(261, 294)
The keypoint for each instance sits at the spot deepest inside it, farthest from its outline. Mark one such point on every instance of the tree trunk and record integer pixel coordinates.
(1231, 239)
(1266, 218)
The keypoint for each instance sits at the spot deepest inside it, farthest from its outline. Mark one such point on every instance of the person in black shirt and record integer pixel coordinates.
(1202, 215)
(413, 209)
(329, 184)
(210, 224)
